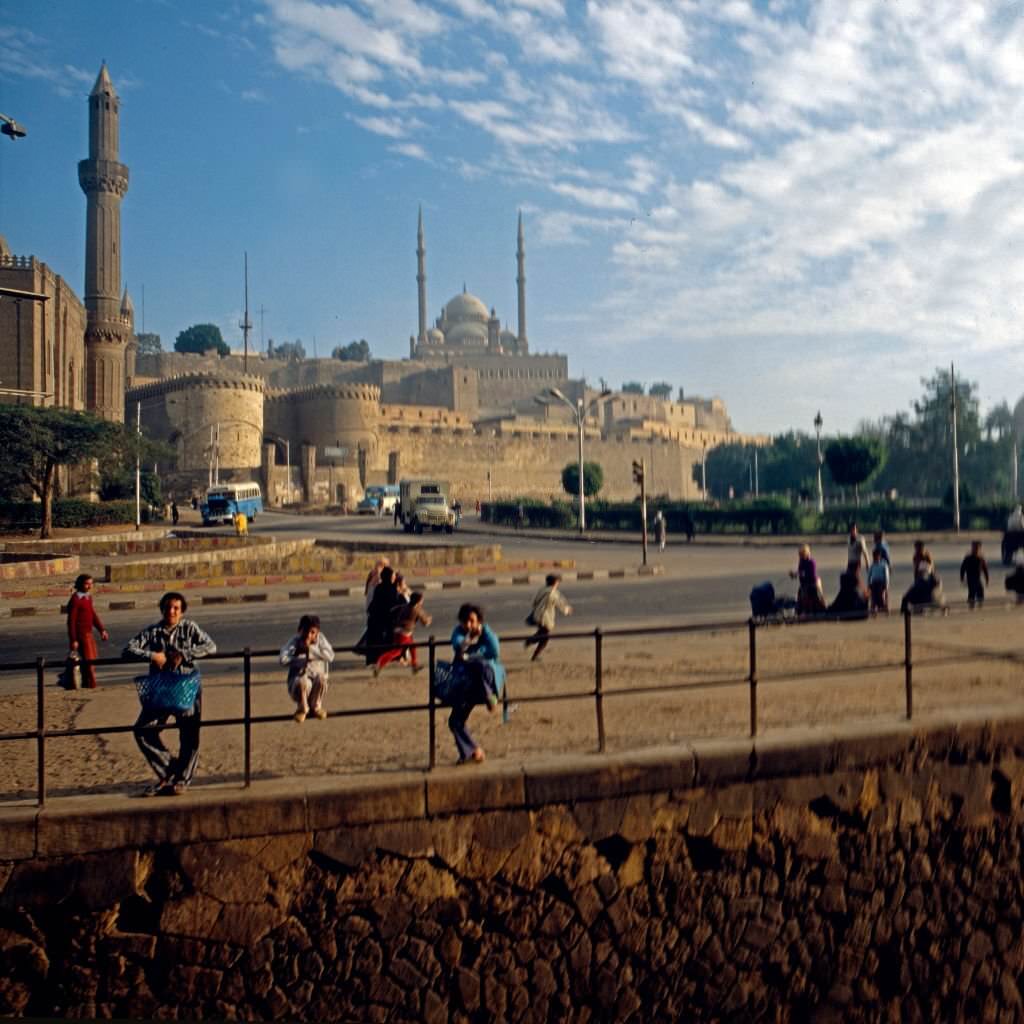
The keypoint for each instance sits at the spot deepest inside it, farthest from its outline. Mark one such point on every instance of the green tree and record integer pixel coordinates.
(852, 460)
(290, 350)
(354, 352)
(593, 478)
(201, 338)
(117, 483)
(149, 344)
(633, 387)
(36, 441)
(662, 389)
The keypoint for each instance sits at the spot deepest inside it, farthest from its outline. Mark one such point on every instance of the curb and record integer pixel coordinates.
(320, 593)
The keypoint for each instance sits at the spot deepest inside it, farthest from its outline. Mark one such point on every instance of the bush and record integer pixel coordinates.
(71, 512)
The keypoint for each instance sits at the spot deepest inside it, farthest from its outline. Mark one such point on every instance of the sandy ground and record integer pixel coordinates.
(854, 673)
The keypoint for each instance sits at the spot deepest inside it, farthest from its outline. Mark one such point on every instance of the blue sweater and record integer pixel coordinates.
(486, 648)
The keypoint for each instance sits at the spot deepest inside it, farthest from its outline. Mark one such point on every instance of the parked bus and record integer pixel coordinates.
(224, 501)
(379, 500)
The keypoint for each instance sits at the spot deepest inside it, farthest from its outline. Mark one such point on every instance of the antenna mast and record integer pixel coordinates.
(245, 324)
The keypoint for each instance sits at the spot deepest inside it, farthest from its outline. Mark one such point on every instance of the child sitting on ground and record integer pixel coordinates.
(308, 655)
(406, 617)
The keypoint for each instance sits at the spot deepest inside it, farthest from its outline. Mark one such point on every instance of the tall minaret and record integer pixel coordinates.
(421, 279)
(521, 287)
(104, 181)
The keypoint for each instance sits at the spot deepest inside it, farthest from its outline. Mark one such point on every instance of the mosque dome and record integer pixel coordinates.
(435, 336)
(468, 334)
(508, 339)
(466, 308)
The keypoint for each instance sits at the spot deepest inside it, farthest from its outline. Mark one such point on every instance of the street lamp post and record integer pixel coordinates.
(817, 430)
(580, 411)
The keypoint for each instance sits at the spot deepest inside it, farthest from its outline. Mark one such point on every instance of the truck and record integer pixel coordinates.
(424, 503)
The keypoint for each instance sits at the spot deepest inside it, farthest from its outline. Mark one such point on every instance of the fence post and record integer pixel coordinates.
(908, 662)
(752, 627)
(599, 687)
(247, 713)
(432, 706)
(41, 730)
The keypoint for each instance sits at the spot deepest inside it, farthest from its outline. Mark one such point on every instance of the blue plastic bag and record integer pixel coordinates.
(168, 691)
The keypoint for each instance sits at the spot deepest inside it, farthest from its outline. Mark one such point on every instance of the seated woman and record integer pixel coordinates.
(482, 676)
(851, 601)
(809, 599)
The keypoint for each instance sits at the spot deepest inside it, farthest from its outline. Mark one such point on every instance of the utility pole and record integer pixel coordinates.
(245, 324)
(757, 482)
(138, 466)
(638, 477)
(956, 455)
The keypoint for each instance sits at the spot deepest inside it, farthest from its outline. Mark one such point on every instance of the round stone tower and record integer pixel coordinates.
(104, 180)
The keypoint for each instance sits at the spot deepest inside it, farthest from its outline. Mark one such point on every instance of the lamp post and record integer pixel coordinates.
(817, 430)
(580, 411)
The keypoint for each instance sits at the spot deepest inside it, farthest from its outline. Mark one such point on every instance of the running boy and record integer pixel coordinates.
(407, 615)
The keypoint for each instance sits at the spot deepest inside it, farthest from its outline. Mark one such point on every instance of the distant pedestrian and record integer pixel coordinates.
(457, 509)
(878, 581)
(308, 656)
(478, 662)
(82, 620)
(546, 603)
(175, 515)
(398, 512)
(882, 546)
(241, 521)
(171, 646)
(372, 579)
(520, 516)
(478, 506)
(972, 569)
(660, 529)
(856, 551)
(407, 616)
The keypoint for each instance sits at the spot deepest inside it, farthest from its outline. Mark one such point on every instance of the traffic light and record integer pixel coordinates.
(638, 472)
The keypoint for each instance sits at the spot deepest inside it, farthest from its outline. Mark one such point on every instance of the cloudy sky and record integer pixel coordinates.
(792, 205)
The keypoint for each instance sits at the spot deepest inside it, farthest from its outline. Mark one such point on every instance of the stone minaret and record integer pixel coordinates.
(104, 181)
(132, 349)
(421, 279)
(521, 287)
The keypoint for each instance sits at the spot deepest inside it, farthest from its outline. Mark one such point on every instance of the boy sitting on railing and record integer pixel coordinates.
(308, 656)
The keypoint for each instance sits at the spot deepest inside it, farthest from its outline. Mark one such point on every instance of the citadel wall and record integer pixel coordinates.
(187, 411)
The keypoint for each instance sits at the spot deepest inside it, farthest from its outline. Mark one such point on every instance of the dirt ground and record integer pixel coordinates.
(852, 672)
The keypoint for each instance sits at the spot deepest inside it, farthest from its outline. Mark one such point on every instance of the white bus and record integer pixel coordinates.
(223, 501)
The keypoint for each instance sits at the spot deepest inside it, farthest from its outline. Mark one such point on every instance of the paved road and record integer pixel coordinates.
(699, 583)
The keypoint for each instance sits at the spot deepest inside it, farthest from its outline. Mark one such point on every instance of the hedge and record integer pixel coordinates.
(767, 515)
(71, 512)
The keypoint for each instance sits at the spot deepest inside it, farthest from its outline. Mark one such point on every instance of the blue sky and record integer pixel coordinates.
(790, 205)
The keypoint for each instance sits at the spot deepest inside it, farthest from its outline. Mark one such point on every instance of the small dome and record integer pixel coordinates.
(466, 308)
(507, 338)
(435, 336)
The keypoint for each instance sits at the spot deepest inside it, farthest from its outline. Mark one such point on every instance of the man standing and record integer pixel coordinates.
(171, 647)
(972, 569)
(660, 530)
(547, 602)
(856, 552)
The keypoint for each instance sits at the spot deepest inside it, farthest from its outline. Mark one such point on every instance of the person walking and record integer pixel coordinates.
(660, 529)
(882, 546)
(82, 620)
(407, 616)
(175, 514)
(171, 646)
(856, 551)
(380, 616)
(308, 656)
(972, 569)
(478, 660)
(546, 603)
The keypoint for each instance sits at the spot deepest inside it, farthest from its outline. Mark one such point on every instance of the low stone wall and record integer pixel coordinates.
(295, 556)
(24, 566)
(850, 877)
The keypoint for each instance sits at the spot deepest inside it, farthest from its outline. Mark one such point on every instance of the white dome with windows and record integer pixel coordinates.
(465, 308)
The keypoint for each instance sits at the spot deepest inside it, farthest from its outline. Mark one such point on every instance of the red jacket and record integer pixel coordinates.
(82, 618)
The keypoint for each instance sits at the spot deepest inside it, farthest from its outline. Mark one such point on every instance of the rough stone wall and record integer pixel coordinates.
(858, 879)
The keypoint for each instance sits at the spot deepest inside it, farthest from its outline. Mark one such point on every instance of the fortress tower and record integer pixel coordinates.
(104, 180)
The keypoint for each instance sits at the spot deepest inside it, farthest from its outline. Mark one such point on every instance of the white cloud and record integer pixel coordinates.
(643, 41)
(602, 198)
(411, 149)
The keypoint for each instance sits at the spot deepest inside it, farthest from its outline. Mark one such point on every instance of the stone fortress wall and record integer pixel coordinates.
(861, 874)
(182, 411)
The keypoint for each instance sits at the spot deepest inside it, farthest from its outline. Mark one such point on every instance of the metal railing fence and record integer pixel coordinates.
(753, 678)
